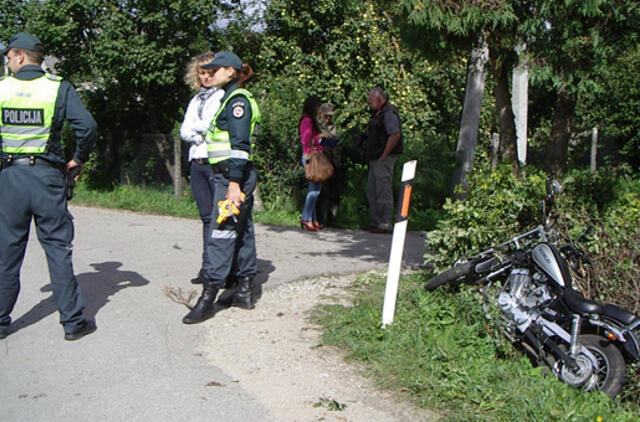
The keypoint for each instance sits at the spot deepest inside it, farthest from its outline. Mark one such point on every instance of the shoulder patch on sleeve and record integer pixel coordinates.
(238, 110)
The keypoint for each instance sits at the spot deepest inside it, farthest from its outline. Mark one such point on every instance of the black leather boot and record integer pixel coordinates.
(204, 308)
(199, 279)
(231, 287)
(245, 296)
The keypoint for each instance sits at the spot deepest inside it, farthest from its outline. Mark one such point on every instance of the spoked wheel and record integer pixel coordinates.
(608, 377)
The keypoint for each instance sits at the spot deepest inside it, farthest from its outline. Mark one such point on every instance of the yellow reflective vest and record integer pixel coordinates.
(218, 143)
(27, 108)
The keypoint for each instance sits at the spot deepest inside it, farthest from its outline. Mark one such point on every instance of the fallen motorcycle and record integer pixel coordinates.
(586, 344)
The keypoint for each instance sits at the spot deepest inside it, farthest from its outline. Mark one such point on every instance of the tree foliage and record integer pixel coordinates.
(127, 59)
(338, 50)
(570, 44)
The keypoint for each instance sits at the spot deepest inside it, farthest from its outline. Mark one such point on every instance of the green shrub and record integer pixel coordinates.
(497, 206)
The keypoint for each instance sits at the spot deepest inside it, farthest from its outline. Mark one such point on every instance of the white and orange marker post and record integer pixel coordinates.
(397, 243)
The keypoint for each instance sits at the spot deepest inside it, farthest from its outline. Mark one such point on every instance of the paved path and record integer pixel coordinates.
(143, 364)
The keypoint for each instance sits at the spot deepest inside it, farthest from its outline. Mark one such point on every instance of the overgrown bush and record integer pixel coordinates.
(499, 206)
(609, 206)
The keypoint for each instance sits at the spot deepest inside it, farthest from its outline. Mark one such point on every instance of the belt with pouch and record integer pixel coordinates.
(222, 167)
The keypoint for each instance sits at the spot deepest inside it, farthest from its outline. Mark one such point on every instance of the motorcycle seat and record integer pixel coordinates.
(619, 314)
(581, 305)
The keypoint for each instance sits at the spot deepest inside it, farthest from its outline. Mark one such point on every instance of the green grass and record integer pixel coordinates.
(161, 200)
(152, 200)
(444, 354)
(281, 210)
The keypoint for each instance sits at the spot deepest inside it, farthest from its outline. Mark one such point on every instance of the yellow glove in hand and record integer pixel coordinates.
(227, 209)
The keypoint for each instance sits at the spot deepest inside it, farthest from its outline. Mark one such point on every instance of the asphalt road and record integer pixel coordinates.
(143, 364)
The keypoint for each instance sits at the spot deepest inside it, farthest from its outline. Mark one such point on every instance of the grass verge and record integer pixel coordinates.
(161, 200)
(444, 354)
(281, 210)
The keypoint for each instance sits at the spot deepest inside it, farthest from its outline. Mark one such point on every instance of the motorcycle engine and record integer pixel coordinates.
(522, 298)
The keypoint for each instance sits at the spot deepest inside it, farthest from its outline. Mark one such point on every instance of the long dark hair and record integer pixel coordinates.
(309, 108)
(245, 74)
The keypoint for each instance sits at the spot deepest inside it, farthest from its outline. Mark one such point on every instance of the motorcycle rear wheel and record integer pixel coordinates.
(459, 271)
(611, 373)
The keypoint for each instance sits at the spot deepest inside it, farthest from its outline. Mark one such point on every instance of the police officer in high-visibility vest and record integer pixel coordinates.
(33, 179)
(231, 141)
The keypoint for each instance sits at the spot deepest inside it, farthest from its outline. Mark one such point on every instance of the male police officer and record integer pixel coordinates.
(34, 105)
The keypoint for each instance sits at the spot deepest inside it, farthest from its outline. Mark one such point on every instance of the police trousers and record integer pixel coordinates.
(37, 191)
(232, 244)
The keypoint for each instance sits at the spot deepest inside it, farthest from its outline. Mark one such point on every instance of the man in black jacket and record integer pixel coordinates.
(384, 144)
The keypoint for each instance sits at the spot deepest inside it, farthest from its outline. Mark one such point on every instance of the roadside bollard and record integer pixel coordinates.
(397, 243)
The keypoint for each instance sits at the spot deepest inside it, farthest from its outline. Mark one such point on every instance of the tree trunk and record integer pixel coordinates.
(470, 121)
(506, 122)
(177, 168)
(164, 143)
(520, 105)
(555, 161)
(164, 148)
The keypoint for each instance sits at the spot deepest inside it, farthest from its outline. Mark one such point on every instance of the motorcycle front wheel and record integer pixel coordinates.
(609, 377)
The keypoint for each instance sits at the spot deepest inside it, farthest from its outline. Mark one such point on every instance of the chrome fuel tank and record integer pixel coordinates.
(543, 255)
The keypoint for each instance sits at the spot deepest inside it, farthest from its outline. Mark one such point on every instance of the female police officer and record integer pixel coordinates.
(231, 246)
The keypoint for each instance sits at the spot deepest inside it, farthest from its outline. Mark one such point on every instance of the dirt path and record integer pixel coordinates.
(277, 355)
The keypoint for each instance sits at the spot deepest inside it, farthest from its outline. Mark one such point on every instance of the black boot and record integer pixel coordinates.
(199, 279)
(231, 287)
(204, 308)
(245, 296)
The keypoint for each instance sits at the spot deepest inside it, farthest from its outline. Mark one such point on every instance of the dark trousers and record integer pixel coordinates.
(203, 188)
(232, 244)
(329, 198)
(37, 191)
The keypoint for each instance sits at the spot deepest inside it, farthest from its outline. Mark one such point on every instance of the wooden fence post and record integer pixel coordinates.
(177, 169)
(594, 149)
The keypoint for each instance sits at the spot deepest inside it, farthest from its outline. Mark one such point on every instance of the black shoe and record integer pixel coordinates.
(199, 279)
(4, 331)
(204, 309)
(87, 327)
(245, 295)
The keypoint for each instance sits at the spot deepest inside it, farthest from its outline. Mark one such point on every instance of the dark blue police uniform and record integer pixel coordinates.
(232, 243)
(231, 246)
(34, 185)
